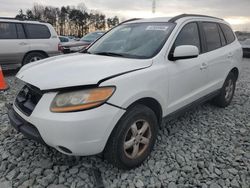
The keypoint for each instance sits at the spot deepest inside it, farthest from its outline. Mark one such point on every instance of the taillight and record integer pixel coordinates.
(60, 48)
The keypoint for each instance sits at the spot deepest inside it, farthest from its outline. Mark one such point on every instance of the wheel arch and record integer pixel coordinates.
(34, 51)
(151, 103)
(235, 71)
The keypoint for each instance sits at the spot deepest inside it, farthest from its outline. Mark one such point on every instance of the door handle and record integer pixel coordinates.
(230, 55)
(23, 43)
(204, 66)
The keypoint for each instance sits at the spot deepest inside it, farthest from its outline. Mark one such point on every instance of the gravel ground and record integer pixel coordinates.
(208, 147)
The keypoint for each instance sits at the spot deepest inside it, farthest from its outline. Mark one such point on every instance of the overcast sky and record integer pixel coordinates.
(237, 12)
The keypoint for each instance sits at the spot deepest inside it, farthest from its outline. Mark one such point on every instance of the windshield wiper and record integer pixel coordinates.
(109, 54)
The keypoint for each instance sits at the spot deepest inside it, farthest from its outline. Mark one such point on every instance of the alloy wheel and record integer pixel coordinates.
(229, 90)
(137, 139)
(36, 58)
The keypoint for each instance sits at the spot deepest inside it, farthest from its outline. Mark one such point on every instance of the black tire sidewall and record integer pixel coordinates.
(29, 56)
(136, 113)
(221, 99)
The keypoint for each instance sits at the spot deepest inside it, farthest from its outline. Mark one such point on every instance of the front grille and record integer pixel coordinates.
(28, 98)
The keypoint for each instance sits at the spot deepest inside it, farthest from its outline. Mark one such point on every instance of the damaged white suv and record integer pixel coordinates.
(111, 98)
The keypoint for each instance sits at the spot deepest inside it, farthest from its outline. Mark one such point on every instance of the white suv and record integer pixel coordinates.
(112, 97)
(23, 42)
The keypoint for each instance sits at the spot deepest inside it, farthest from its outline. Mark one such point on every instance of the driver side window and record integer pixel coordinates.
(189, 35)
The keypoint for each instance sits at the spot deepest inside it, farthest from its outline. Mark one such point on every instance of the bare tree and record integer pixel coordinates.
(74, 20)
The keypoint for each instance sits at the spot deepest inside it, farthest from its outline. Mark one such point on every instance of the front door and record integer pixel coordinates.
(187, 77)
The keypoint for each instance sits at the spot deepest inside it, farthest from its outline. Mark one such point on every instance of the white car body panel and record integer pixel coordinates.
(149, 86)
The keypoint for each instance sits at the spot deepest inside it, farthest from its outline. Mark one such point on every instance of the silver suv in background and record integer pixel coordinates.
(23, 42)
(84, 42)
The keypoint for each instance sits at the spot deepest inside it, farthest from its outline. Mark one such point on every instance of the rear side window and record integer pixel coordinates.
(189, 35)
(8, 31)
(228, 33)
(20, 31)
(36, 31)
(212, 36)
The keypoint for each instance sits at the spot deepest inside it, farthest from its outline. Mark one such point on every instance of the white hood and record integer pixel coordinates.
(76, 70)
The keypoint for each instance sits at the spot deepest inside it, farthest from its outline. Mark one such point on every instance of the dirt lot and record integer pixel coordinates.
(207, 147)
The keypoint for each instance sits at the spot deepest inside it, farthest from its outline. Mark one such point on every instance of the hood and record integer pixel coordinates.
(75, 44)
(77, 70)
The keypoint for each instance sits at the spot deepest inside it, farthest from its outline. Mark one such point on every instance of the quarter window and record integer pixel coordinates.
(222, 37)
(228, 33)
(212, 36)
(36, 31)
(189, 35)
(8, 31)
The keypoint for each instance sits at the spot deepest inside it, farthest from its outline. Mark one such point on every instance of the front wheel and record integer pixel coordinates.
(133, 138)
(224, 98)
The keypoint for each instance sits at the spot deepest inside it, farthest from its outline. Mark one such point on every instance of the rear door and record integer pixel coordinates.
(13, 43)
(218, 55)
(38, 37)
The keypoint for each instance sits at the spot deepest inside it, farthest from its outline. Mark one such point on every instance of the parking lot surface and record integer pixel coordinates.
(208, 147)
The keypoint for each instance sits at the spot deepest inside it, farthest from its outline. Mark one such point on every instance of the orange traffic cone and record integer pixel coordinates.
(3, 85)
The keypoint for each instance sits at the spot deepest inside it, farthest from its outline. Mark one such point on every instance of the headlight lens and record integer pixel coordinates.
(81, 100)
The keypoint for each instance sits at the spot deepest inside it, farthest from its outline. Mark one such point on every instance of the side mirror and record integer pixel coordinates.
(185, 52)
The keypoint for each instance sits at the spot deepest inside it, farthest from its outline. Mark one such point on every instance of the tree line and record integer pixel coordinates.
(69, 20)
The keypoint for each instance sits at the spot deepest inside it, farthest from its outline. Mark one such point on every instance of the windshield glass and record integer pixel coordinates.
(92, 36)
(136, 40)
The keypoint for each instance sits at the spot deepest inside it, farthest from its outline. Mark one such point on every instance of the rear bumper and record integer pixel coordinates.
(24, 127)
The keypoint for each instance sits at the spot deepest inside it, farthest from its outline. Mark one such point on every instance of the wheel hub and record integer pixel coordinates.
(137, 139)
(36, 58)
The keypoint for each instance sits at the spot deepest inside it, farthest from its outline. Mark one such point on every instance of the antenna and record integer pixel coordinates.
(153, 6)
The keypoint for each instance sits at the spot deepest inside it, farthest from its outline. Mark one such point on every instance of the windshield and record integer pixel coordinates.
(136, 40)
(92, 36)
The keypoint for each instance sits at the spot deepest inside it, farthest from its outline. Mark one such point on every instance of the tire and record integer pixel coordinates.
(224, 98)
(32, 57)
(133, 122)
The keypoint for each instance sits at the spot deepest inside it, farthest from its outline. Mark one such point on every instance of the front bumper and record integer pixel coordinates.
(82, 133)
(24, 127)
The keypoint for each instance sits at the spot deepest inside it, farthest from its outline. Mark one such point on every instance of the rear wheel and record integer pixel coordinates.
(227, 92)
(133, 138)
(33, 56)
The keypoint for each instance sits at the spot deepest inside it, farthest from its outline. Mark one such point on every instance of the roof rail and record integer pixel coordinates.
(32, 20)
(8, 18)
(130, 20)
(174, 19)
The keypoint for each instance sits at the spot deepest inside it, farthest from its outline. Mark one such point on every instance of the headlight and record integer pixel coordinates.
(81, 100)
